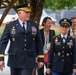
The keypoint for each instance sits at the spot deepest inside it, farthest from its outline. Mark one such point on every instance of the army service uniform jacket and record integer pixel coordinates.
(62, 56)
(24, 46)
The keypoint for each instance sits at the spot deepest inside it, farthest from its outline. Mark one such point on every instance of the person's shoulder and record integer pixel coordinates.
(9, 24)
(70, 37)
(56, 36)
(32, 22)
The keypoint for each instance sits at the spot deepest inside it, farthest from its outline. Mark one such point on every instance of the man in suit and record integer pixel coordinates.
(46, 34)
(25, 43)
(62, 55)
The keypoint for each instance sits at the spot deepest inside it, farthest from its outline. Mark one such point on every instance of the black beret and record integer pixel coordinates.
(25, 7)
(65, 22)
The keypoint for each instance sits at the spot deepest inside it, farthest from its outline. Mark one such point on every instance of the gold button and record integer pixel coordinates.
(25, 44)
(62, 51)
(62, 55)
(59, 53)
(25, 39)
(62, 60)
(63, 47)
(67, 54)
(24, 49)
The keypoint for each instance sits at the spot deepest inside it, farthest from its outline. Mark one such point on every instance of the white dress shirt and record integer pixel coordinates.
(21, 23)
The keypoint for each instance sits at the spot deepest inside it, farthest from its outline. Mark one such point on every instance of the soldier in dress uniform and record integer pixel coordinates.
(62, 55)
(25, 43)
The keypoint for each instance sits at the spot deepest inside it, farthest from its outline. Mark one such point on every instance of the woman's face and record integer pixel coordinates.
(64, 30)
(48, 23)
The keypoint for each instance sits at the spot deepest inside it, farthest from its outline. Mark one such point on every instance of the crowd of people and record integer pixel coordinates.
(31, 47)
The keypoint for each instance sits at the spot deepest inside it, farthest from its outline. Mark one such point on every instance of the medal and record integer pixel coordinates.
(13, 30)
(34, 30)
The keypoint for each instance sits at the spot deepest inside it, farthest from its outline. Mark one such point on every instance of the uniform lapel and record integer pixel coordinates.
(61, 39)
(50, 35)
(28, 26)
(18, 26)
(42, 35)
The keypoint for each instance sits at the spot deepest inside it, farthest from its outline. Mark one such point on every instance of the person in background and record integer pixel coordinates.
(12, 18)
(62, 55)
(46, 34)
(72, 31)
(25, 43)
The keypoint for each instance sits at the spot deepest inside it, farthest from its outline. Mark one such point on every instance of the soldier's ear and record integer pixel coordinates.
(19, 12)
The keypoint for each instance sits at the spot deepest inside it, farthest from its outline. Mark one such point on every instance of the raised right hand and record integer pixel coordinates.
(1, 65)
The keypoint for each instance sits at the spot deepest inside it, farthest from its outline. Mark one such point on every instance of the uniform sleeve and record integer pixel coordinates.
(53, 33)
(74, 55)
(3, 43)
(39, 46)
(51, 54)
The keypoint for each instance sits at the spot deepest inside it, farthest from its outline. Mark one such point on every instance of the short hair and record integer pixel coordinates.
(45, 19)
(72, 18)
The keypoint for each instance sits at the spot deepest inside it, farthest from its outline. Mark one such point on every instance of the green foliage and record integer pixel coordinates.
(57, 32)
(1, 31)
(59, 4)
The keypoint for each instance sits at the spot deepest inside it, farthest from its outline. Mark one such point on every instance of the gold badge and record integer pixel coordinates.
(67, 54)
(28, 4)
(59, 54)
(65, 20)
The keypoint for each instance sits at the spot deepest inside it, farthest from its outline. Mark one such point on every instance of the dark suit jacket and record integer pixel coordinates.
(62, 57)
(51, 34)
(24, 46)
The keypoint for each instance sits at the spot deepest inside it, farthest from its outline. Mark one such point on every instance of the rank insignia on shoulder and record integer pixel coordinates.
(8, 23)
(53, 36)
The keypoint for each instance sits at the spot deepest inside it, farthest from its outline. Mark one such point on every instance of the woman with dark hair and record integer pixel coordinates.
(46, 34)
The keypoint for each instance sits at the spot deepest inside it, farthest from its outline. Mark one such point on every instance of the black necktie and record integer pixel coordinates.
(23, 26)
(64, 39)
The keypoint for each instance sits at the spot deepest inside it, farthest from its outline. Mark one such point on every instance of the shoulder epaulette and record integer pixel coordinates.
(8, 23)
(57, 35)
(36, 22)
(54, 36)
